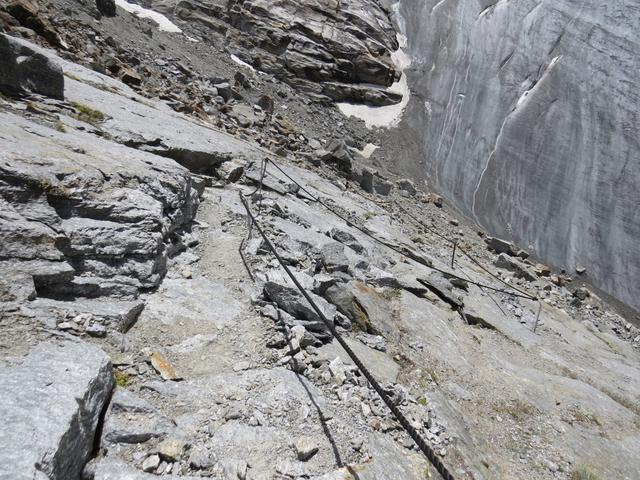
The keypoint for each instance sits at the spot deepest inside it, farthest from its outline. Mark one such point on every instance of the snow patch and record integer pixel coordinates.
(368, 150)
(388, 116)
(163, 22)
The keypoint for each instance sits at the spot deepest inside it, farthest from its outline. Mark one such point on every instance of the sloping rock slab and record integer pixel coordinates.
(50, 405)
(110, 469)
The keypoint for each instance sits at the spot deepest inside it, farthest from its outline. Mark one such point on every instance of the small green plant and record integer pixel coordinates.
(585, 418)
(72, 76)
(88, 114)
(423, 401)
(6, 98)
(518, 409)
(122, 379)
(369, 215)
(392, 293)
(583, 473)
(426, 474)
(59, 126)
(434, 376)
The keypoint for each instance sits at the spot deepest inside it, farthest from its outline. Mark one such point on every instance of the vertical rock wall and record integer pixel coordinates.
(529, 115)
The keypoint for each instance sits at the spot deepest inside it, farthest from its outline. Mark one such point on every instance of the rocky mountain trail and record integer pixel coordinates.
(129, 259)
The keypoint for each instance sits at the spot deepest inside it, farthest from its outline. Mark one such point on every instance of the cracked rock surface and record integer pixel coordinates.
(127, 259)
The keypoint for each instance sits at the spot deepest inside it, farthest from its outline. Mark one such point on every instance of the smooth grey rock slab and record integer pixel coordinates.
(112, 469)
(50, 406)
(381, 365)
(526, 113)
(24, 70)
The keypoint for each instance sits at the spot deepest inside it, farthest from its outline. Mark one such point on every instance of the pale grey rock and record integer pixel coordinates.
(499, 246)
(515, 133)
(16, 287)
(383, 367)
(114, 469)
(305, 447)
(135, 427)
(133, 205)
(51, 405)
(151, 463)
(201, 458)
(125, 401)
(23, 70)
(131, 419)
(116, 315)
(171, 449)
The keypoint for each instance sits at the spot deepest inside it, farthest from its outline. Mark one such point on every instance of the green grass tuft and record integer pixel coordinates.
(122, 379)
(87, 113)
(583, 473)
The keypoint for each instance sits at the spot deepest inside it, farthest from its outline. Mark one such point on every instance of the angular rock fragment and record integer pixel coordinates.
(291, 301)
(115, 315)
(501, 246)
(347, 239)
(131, 419)
(334, 258)
(406, 187)
(518, 268)
(51, 404)
(442, 288)
(305, 447)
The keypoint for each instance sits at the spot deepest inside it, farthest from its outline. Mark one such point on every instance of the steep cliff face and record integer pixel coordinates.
(529, 115)
(338, 50)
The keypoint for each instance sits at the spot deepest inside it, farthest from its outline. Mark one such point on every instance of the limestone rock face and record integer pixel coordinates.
(68, 200)
(50, 406)
(23, 70)
(333, 49)
(529, 124)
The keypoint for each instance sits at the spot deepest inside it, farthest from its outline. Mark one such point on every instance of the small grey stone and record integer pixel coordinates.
(305, 447)
(151, 463)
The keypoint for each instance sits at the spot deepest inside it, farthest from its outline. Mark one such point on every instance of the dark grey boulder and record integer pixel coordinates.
(106, 7)
(22, 70)
(406, 187)
(291, 301)
(346, 239)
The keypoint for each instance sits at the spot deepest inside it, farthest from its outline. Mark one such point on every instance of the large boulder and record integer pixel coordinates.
(22, 70)
(106, 7)
(50, 405)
